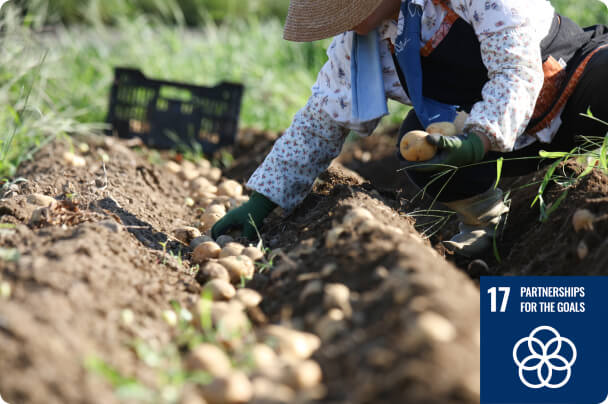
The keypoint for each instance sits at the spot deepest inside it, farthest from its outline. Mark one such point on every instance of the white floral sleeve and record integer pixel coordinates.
(303, 152)
(510, 49)
(516, 77)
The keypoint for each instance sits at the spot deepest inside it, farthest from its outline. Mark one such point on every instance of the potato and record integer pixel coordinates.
(186, 234)
(413, 147)
(230, 188)
(219, 289)
(303, 375)
(208, 220)
(173, 167)
(231, 389)
(249, 297)
(238, 266)
(443, 128)
(209, 358)
(231, 249)
(212, 270)
(253, 252)
(216, 208)
(74, 160)
(205, 251)
(583, 220)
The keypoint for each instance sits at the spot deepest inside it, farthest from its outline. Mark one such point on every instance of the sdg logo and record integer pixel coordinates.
(544, 363)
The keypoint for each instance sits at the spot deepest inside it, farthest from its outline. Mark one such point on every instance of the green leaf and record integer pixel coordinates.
(590, 166)
(553, 155)
(603, 154)
(554, 206)
(498, 171)
(546, 179)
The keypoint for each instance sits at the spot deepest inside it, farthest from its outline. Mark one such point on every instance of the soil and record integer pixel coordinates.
(411, 333)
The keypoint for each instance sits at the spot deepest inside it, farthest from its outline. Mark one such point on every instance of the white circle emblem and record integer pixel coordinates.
(537, 360)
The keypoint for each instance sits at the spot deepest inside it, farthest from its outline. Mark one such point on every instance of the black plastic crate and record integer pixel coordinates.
(166, 114)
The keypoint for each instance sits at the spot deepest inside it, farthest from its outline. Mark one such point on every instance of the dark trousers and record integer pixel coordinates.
(466, 182)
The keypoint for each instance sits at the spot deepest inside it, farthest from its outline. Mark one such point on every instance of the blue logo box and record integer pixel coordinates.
(544, 340)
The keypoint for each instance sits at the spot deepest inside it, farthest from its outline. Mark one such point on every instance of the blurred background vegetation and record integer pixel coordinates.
(57, 60)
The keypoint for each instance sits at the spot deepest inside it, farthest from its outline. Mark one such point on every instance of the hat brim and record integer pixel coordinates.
(311, 20)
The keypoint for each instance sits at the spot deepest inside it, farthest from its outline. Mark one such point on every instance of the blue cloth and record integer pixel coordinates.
(407, 50)
(367, 83)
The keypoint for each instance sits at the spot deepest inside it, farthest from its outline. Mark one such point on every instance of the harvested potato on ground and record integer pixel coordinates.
(230, 188)
(414, 147)
(74, 160)
(202, 186)
(209, 358)
(233, 388)
(208, 220)
(216, 208)
(293, 343)
(214, 174)
(583, 220)
(249, 297)
(443, 128)
(173, 167)
(238, 266)
(212, 270)
(219, 289)
(186, 234)
(253, 252)
(205, 251)
(268, 391)
(232, 249)
(303, 375)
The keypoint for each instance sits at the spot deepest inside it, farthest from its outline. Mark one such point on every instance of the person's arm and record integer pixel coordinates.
(303, 152)
(509, 32)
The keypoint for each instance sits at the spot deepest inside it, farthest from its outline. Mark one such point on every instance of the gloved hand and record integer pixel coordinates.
(459, 150)
(258, 207)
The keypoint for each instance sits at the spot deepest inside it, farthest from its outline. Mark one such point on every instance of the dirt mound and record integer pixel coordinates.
(75, 278)
(398, 321)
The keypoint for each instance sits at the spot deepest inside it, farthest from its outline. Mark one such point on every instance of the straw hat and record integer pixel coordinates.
(310, 20)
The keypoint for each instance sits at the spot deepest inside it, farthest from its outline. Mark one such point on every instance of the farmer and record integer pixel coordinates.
(522, 73)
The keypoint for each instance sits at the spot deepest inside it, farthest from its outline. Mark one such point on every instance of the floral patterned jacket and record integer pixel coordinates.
(509, 32)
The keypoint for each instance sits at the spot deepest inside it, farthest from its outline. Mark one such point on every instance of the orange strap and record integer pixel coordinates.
(566, 93)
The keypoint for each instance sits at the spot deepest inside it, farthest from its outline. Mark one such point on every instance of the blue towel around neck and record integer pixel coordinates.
(367, 83)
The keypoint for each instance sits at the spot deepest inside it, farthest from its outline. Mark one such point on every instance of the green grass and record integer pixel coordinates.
(58, 82)
(191, 12)
(584, 12)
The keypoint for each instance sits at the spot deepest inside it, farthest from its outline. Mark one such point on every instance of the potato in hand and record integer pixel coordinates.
(414, 147)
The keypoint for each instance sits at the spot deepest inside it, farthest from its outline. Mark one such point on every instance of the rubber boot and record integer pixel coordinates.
(479, 217)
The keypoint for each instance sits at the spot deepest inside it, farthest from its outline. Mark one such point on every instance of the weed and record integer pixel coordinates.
(163, 244)
(268, 260)
(438, 219)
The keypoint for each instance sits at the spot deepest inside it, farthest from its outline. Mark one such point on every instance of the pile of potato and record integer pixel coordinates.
(280, 370)
(208, 190)
(280, 374)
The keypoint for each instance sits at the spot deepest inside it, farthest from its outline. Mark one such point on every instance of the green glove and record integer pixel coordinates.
(258, 207)
(459, 150)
